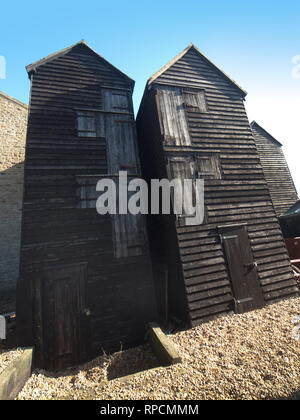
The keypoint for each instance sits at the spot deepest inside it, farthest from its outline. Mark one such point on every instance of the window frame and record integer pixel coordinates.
(90, 115)
(200, 104)
(215, 173)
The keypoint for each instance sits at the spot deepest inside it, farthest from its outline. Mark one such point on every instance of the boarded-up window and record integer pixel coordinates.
(183, 168)
(129, 235)
(128, 229)
(195, 100)
(172, 117)
(86, 124)
(193, 167)
(119, 101)
(116, 101)
(207, 167)
(122, 149)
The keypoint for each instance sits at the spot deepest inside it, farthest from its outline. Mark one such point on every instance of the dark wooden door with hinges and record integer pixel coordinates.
(242, 269)
(64, 315)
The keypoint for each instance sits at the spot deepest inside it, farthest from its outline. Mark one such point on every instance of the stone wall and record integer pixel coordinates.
(13, 125)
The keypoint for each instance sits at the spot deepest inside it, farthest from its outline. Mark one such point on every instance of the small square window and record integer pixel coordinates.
(119, 101)
(195, 101)
(86, 124)
(207, 167)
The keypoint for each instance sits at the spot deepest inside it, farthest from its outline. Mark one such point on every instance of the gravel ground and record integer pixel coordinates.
(255, 355)
(7, 356)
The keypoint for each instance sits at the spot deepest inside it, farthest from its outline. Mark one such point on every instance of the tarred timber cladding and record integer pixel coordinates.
(240, 196)
(276, 170)
(61, 85)
(57, 232)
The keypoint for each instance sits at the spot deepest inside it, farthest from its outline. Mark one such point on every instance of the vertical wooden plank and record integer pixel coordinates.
(250, 266)
(63, 304)
(173, 117)
(244, 279)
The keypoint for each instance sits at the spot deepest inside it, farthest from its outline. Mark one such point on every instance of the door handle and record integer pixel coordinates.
(86, 312)
(251, 265)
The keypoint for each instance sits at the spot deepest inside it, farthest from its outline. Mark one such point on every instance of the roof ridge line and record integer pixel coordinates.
(265, 131)
(180, 55)
(33, 66)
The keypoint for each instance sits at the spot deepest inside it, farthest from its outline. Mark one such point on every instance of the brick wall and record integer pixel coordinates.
(13, 124)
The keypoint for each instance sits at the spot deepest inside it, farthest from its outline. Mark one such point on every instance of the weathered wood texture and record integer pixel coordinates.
(15, 375)
(82, 288)
(276, 170)
(169, 126)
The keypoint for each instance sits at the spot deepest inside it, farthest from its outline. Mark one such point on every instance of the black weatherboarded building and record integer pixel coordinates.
(85, 279)
(192, 123)
(276, 170)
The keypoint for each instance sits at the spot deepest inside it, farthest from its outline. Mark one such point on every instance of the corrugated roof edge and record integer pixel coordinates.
(180, 55)
(10, 98)
(36, 64)
(266, 132)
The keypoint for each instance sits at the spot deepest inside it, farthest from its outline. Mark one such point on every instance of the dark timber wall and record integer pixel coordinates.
(85, 279)
(276, 170)
(191, 112)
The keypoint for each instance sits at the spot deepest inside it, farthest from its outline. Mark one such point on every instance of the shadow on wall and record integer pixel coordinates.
(11, 193)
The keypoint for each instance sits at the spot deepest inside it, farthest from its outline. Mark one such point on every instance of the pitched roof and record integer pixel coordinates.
(191, 46)
(32, 67)
(254, 124)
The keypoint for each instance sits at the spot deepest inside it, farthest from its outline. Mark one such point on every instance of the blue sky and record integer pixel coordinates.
(252, 41)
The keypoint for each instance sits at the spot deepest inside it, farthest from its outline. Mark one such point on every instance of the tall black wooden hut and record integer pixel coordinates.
(275, 168)
(192, 123)
(85, 279)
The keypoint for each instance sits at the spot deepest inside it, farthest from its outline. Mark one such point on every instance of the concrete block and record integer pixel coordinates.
(14, 377)
(163, 348)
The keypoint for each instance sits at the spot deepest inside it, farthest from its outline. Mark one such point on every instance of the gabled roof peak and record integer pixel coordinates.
(180, 55)
(254, 123)
(32, 67)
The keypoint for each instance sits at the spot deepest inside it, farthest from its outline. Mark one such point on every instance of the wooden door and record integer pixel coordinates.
(241, 267)
(173, 120)
(129, 233)
(64, 315)
(182, 167)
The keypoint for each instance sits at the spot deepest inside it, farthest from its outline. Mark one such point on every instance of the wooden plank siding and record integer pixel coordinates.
(59, 229)
(201, 289)
(276, 170)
